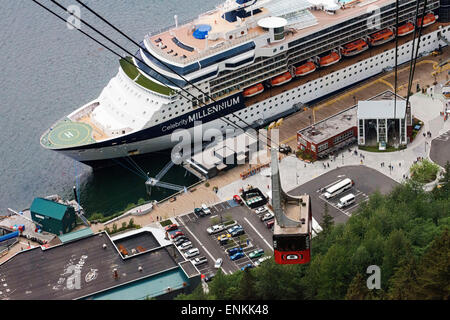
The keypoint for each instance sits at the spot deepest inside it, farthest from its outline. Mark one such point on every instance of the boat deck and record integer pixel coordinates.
(345, 62)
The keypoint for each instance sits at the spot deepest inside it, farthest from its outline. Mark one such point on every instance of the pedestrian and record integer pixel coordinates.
(399, 164)
(328, 165)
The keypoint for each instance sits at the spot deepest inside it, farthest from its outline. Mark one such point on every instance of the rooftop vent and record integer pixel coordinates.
(104, 246)
(140, 268)
(302, 220)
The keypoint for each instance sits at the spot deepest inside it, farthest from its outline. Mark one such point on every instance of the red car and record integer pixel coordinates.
(270, 223)
(171, 227)
(237, 199)
(177, 234)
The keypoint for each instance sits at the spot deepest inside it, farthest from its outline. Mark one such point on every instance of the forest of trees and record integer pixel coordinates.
(405, 233)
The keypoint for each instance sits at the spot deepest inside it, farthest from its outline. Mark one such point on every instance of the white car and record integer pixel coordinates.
(199, 261)
(185, 245)
(218, 263)
(216, 228)
(205, 209)
(192, 253)
(261, 260)
(261, 210)
(267, 216)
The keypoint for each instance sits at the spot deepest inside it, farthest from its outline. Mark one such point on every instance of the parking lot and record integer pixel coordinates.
(367, 181)
(256, 236)
(360, 197)
(440, 149)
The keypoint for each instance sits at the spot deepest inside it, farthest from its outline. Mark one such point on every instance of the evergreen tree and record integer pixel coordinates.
(357, 290)
(433, 279)
(404, 281)
(219, 286)
(327, 219)
(247, 286)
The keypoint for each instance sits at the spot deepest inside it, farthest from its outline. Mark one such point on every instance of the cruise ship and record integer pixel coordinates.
(246, 62)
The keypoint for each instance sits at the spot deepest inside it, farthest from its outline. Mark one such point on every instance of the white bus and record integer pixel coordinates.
(338, 188)
(346, 201)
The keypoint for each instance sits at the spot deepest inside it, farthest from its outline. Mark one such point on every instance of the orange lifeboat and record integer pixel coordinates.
(281, 79)
(427, 20)
(405, 29)
(329, 59)
(381, 37)
(253, 91)
(355, 47)
(305, 69)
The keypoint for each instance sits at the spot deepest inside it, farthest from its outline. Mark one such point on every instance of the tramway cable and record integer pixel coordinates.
(415, 55)
(122, 48)
(162, 62)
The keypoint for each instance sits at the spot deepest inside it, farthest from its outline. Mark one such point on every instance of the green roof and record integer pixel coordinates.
(48, 208)
(76, 235)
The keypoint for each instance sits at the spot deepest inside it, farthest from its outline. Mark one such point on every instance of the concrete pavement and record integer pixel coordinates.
(295, 172)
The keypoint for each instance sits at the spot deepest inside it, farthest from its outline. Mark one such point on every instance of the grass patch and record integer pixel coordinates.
(424, 171)
(129, 68)
(132, 72)
(149, 84)
(375, 148)
(166, 222)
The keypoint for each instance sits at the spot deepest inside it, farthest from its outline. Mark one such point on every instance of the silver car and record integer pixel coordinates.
(192, 253)
(218, 263)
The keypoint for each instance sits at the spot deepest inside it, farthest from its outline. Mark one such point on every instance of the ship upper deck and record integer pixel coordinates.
(180, 46)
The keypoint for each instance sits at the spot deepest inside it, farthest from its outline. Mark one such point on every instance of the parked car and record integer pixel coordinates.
(171, 227)
(256, 254)
(192, 253)
(176, 235)
(247, 266)
(261, 210)
(261, 260)
(267, 216)
(237, 232)
(185, 245)
(286, 149)
(178, 241)
(270, 223)
(205, 209)
(216, 228)
(199, 261)
(233, 251)
(199, 212)
(237, 199)
(209, 277)
(230, 230)
(237, 255)
(218, 263)
(224, 236)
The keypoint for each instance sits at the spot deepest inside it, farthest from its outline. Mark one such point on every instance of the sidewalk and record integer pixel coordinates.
(295, 172)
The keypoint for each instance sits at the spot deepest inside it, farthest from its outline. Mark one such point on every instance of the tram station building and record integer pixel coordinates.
(384, 122)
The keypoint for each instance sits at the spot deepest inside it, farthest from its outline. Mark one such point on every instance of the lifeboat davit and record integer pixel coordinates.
(329, 59)
(355, 47)
(305, 69)
(281, 79)
(253, 91)
(405, 29)
(427, 20)
(381, 37)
